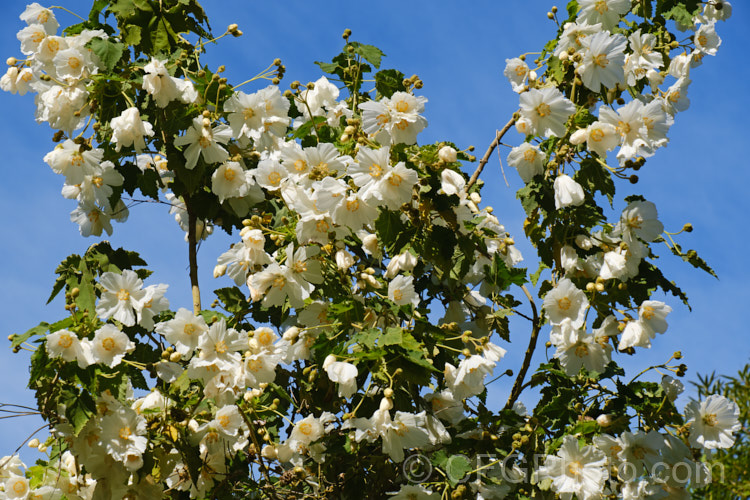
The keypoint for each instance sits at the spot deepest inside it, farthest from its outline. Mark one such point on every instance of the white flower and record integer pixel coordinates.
(36, 14)
(528, 159)
(15, 81)
(413, 492)
(447, 154)
(573, 35)
(110, 345)
(129, 130)
(672, 387)
(712, 12)
(652, 314)
(603, 60)
(712, 422)
(64, 108)
(123, 433)
(706, 40)
(91, 220)
(342, 373)
(575, 471)
(641, 450)
(404, 261)
(66, 345)
(394, 120)
(165, 88)
(230, 181)
(75, 164)
(468, 379)
(639, 219)
(152, 304)
(676, 97)
(121, 297)
(566, 301)
(567, 192)
(606, 12)
(401, 291)
(516, 71)
(600, 137)
(547, 111)
(445, 406)
(628, 121)
(16, 487)
(269, 174)
(643, 58)
(576, 349)
(204, 141)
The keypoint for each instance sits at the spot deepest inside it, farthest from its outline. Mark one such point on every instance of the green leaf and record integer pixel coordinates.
(456, 468)
(392, 336)
(107, 51)
(131, 34)
(389, 81)
(534, 278)
(502, 276)
(38, 330)
(232, 299)
(371, 53)
(159, 31)
(329, 68)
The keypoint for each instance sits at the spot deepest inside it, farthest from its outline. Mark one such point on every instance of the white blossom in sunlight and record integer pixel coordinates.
(517, 71)
(547, 110)
(205, 141)
(712, 422)
(129, 130)
(528, 159)
(606, 12)
(603, 60)
(121, 296)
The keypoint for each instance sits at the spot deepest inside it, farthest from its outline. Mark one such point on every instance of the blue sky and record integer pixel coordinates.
(458, 49)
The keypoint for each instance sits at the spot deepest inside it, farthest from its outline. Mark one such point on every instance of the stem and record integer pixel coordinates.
(193, 256)
(536, 326)
(487, 155)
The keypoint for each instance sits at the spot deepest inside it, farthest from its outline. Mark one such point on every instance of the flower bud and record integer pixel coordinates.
(388, 393)
(269, 452)
(447, 154)
(34, 443)
(219, 270)
(604, 420)
(11, 61)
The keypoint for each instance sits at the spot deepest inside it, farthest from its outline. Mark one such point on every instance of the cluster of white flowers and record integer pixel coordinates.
(642, 464)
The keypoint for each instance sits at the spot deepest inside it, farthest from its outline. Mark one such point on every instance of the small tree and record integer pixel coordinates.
(373, 289)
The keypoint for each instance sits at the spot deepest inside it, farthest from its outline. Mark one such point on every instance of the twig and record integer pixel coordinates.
(192, 256)
(499, 135)
(536, 326)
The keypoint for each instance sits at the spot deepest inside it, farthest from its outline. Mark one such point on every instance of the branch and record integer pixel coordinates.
(518, 384)
(193, 256)
(487, 154)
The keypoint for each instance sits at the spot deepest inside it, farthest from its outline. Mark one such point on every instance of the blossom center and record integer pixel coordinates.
(305, 428)
(97, 181)
(520, 71)
(223, 420)
(125, 432)
(574, 469)
(403, 106)
(564, 303)
(596, 135)
(254, 365)
(624, 127)
(322, 226)
(710, 419)
(108, 344)
(601, 7)
(37, 37)
(229, 174)
(601, 60)
(402, 125)
(221, 347)
(279, 282)
(383, 119)
(529, 155)
(300, 267)
(582, 350)
(543, 109)
(274, 178)
(702, 40)
(398, 295)
(19, 487)
(352, 205)
(300, 165)
(376, 170)
(248, 113)
(648, 312)
(123, 294)
(395, 180)
(65, 341)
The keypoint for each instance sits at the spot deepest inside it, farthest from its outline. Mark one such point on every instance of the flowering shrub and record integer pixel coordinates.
(372, 290)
